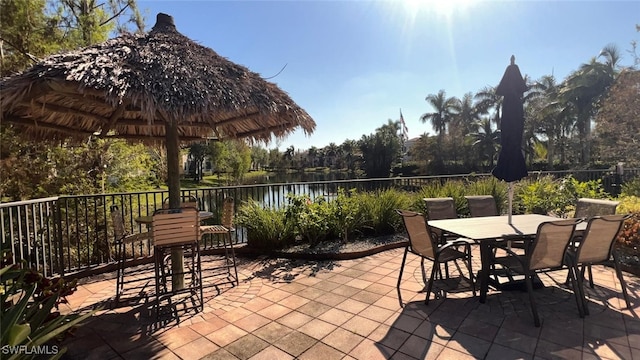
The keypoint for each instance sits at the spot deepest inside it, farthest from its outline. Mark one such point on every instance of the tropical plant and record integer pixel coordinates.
(266, 228)
(347, 215)
(29, 310)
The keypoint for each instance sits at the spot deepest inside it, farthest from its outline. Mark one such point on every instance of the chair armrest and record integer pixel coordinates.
(457, 242)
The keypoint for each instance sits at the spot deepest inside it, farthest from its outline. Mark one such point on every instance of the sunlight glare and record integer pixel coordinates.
(443, 8)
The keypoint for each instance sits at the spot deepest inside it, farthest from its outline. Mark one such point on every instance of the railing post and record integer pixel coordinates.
(57, 228)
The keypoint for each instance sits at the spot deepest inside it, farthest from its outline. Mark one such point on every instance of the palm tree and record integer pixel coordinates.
(583, 90)
(487, 100)
(485, 140)
(444, 109)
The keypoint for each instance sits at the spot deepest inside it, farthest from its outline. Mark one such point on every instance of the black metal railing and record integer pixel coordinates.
(64, 234)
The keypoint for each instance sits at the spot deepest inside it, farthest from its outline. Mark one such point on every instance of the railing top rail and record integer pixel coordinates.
(27, 202)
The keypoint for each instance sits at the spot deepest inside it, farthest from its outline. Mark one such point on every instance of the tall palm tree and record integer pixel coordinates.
(444, 109)
(583, 90)
(488, 100)
(485, 140)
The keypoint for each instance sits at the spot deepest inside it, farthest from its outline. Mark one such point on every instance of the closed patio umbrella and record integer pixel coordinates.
(159, 87)
(511, 165)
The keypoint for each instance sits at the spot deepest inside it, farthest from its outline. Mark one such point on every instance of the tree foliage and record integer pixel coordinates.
(381, 150)
(618, 122)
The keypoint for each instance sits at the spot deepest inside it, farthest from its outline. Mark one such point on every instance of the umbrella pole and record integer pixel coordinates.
(510, 201)
(173, 179)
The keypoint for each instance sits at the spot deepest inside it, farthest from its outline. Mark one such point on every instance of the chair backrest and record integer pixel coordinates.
(420, 239)
(586, 208)
(599, 238)
(187, 202)
(440, 208)
(482, 205)
(118, 223)
(228, 212)
(551, 242)
(175, 226)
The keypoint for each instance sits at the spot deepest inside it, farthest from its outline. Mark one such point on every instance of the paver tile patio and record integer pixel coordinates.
(294, 309)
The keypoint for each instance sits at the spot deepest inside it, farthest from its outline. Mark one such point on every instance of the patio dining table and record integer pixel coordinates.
(486, 231)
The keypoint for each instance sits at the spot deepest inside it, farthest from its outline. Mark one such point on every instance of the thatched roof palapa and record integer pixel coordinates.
(132, 85)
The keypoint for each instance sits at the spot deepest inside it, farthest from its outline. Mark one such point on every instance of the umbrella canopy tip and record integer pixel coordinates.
(513, 57)
(164, 20)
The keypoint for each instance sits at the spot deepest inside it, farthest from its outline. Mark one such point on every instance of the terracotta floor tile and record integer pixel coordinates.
(360, 325)
(420, 348)
(317, 328)
(321, 351)
(196, 349)
(293, 301)
(251, 322)
(352, 306)
(295, 319)
(336, 316)
(295, 343)
(178, 337)
(314, 308)
(247, 346)
(469, 344)
(226, 335)
(368, 350)
(272, 332)
(274, 311)
(271, 353)
(343, 340)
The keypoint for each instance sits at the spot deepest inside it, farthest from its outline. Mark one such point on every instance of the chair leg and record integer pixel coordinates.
(534, 310)
(424, 274)
(233, 259)
(590, 276)
(468, 262)
(436, 265)
(577, 289)
(120, 269)
(404, 259)
(623, 284)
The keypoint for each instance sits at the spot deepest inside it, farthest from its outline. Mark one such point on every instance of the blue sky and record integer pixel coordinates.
(352, 65)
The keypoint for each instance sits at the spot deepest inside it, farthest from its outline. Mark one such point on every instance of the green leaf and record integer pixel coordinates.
(18, 333)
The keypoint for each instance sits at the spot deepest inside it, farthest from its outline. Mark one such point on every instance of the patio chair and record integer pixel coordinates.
(423, 242)
(482, 205)
(177, 228)
(122, 239)
(587, 208)
(226, 229)
(597, 247)
(440, 208)
(546, 253)
(188, 201)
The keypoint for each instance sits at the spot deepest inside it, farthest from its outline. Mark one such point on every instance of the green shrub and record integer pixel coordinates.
(546, 194)
(542, 196)
(309, 219)
(347, 215)
(266, 228)
(631, 188)
(379, 209)
(29, 308)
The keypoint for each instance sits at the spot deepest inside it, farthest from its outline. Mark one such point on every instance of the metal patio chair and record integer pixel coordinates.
(122, 239)
(424, 243)
(482, 205)
(547, 252)
(177, 228)
(597, 247)
(225, 229)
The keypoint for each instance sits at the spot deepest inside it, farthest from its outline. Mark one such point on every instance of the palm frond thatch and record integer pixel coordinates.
(132, 85)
